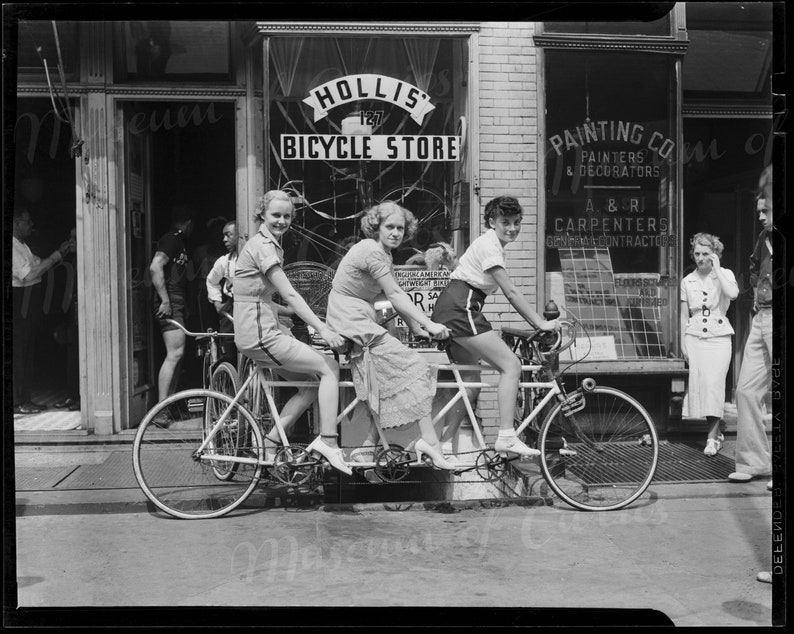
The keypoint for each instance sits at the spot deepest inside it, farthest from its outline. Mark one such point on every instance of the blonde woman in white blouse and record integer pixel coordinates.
(706, 333)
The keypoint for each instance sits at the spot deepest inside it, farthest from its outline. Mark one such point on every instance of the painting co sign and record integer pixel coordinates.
(367, 147)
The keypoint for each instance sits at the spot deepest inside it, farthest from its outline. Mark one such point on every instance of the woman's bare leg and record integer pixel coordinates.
(489, 347)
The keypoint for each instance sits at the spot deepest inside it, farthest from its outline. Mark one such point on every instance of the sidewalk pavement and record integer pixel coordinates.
(96, 476)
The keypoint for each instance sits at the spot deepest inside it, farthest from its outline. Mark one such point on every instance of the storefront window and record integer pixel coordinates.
(659, 27)
(163, 50)
(610, 235)
(37, 43)
(357, 120)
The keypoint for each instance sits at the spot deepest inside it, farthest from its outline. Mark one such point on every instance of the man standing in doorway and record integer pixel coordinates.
(220, 281)
(753, 456)
(169, 277)
(27, 270)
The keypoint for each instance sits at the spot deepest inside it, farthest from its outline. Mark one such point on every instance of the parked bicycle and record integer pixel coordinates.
(216, 373)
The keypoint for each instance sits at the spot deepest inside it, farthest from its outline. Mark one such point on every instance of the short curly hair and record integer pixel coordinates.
(501, 206)
(707, 240)
(370, 221)
(269, 197)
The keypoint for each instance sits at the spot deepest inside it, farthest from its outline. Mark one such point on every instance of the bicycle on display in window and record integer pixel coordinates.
(599, 447)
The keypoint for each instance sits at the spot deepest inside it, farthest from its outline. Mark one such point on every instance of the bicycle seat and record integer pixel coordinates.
(519, 332)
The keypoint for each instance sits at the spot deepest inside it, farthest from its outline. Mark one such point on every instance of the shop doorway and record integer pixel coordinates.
(723, 159)
(176, 153)
(44, 185)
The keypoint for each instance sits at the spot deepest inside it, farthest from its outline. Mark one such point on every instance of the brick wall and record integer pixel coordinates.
(509, 118)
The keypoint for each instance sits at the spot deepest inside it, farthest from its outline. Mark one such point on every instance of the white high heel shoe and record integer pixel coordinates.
(333, 455)
(438, 460)
(514, 445)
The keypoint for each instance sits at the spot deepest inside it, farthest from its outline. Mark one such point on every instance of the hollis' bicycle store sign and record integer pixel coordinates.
(363, 146)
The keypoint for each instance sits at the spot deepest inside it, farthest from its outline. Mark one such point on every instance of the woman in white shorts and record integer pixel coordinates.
(259, 335)
(480, 272)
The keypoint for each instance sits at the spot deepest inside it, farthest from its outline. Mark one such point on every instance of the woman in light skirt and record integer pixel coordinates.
(706, 333)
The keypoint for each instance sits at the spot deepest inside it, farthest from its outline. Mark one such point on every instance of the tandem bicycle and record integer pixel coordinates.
(598, 446)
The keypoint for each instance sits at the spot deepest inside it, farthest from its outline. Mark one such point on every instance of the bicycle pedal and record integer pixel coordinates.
(371, 476)
(567, 452)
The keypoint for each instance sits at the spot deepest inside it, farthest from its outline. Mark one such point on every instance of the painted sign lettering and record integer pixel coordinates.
(344, 90)
(363, 147)
(624, 131)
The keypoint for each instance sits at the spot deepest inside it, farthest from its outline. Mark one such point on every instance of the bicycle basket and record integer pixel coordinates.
(312, 281)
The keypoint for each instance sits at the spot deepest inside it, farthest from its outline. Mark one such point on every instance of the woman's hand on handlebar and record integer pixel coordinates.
(437, 331)
(550, 325)
(333, 339)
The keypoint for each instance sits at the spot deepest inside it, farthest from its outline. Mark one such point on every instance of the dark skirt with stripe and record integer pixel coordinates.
(459, 308)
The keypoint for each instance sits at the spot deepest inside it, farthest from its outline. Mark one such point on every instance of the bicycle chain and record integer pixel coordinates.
(461, 481)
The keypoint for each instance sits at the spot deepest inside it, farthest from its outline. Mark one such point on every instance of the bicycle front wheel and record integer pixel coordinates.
(178, 478)
(602, 457)
(230, 439)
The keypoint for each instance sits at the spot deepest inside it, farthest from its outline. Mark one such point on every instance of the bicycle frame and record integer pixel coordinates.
(458, 384)
(199, 452)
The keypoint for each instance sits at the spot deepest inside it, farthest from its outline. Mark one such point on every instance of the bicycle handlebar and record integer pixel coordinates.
(209, 333)
(532, 336)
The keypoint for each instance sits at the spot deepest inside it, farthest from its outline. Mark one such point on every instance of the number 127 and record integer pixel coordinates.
(371, 117)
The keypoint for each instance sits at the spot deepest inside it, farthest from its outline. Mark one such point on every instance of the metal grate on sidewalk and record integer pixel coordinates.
(678, 462)
(681, 462)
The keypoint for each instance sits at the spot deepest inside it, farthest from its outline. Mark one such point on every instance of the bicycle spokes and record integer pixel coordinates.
(604, 455)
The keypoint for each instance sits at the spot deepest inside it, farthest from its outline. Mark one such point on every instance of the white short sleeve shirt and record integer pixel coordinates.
(483, 254)
(22, 262)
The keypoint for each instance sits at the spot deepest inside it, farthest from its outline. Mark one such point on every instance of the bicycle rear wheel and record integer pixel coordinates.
(172, 474)
(231, 437)
(602, 457)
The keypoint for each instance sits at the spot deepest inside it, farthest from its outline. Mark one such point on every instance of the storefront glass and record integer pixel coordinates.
(611, 240)
(163, 50)
(628, 27)
(39, 41)
(357, 120)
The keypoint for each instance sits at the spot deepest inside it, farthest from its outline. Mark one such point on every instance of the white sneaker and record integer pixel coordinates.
(512, 444)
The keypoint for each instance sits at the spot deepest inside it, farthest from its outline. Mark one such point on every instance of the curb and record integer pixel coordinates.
(308, 502)
(441, 506)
